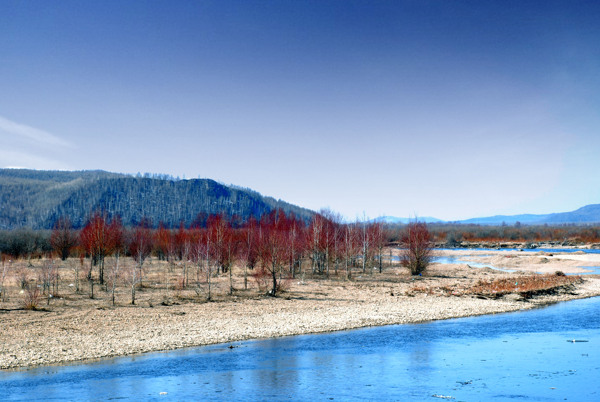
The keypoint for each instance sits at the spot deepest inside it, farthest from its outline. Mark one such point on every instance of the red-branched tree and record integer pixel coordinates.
(117, 246)
(272, 246)
(63, 238)
(182, 249)
(417, 247)
(223, 250)
(316, 238)
(140, 247)
(351, 246)
(378, 242)
(247, 250)
(95, 240)
(163, 242)
(296, 240)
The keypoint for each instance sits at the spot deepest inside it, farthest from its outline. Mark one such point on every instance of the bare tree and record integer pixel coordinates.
(132, 276)
(379, 240)
(4, 268)
(417, 251)
(140, 246)
(366, 243)
(117, 246)
(63, 238)
(247, 253)
(350, 246)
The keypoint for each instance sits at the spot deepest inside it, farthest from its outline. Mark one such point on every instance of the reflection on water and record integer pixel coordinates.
(523, 355)
(590, 270)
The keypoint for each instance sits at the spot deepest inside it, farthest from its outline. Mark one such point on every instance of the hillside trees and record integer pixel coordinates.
(37, 199)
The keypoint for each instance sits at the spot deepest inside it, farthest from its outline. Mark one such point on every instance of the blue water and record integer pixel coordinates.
(472, 264)
(531, 250)
(527, 355)
(591, 270)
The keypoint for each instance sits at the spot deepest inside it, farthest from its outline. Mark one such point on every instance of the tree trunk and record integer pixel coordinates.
(274, 274)
(230, 281)
(102, 271)
(208, 278)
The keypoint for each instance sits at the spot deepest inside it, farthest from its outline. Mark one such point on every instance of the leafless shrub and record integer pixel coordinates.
(22, 277)
(417, 247)
(31, 298)
(264, 280)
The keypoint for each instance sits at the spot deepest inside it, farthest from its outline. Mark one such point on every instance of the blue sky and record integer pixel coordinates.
(452, 109)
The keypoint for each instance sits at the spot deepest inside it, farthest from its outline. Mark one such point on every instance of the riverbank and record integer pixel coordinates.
(68, 333)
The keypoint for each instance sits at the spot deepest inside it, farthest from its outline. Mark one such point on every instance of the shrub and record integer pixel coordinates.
(264, 281)
(417, 247)
(31, 298)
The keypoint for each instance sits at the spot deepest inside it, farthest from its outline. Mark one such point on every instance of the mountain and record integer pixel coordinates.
(393, 220)
(36, 199)
(526, 219)
(584, 215)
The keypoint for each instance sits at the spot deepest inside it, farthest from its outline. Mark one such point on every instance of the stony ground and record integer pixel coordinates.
(75, 328)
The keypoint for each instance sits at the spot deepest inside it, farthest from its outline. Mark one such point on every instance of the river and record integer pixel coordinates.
(527, 355)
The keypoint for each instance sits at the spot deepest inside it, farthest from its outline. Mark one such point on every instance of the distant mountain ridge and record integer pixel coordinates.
(585, 215)
(403, 221)
(36, 199)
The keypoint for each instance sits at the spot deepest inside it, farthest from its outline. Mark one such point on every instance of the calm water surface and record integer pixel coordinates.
(516, 356)
(591, 270)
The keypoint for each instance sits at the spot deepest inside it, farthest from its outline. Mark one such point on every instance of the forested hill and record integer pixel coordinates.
(36, 199)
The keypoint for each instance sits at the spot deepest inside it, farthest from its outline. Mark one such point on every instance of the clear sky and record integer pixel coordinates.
(451, 109)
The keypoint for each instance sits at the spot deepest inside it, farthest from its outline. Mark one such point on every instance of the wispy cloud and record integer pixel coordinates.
(27, 160)
(31, 133)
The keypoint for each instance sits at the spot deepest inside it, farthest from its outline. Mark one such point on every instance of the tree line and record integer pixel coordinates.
(454, 234)
(276, 247)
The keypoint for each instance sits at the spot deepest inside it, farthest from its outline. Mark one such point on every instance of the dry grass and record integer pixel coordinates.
(526, 285)
(166, 283)
(31, 298)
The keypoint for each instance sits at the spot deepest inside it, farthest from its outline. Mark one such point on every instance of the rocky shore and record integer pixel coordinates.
(64, 334)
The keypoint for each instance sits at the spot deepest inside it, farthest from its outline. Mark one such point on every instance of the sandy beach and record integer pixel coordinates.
(67, 332)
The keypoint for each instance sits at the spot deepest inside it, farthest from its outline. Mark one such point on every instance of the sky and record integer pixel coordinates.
(408, 108)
